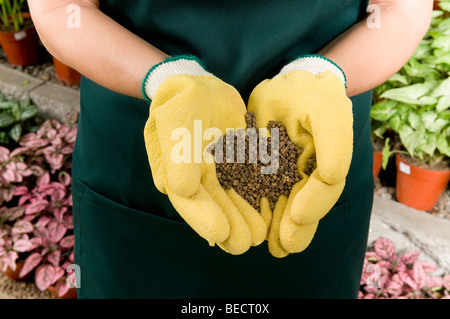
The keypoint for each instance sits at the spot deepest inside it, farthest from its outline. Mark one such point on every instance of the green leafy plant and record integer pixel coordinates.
(16, 118)
(11, 14)
(415, 102)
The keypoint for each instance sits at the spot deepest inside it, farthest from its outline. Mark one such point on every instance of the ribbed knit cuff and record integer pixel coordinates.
(171, 66)
(316, 64)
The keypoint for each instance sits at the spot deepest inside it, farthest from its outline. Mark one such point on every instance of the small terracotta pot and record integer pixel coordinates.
(436, 5)
(66, 74)
(377, 162)
(70, 294)
(21, 47)
(14, 274)
(417, 187)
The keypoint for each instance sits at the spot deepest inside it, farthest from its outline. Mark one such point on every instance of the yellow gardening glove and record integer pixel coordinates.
(190, 108)
(308, 97)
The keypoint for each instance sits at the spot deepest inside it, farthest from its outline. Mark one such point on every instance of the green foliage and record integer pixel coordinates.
(16, 118)
(415, 102)
(11, 13)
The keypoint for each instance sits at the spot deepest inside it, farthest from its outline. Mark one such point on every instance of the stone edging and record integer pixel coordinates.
(55, 101)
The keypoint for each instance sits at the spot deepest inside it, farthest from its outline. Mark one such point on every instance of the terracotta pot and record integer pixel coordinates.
(377, 162)
(417, 187)
(70, 294)
(66, 74)
(436, 5)
(14, 274)
(21, 47)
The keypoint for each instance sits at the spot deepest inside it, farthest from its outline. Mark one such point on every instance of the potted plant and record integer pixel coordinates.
(66, 74)
(36, 226)
(415, 105)
(387, 274)
(18, 36)
(16, 119)
(380, 126)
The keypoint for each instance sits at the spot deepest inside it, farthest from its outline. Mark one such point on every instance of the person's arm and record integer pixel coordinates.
(369, 55)
(100, 49)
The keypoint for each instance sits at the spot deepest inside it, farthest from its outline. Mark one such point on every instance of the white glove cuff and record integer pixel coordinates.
(316, 64)
(170, 67)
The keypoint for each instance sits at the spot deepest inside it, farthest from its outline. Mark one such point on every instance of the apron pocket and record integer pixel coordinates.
(126, 253)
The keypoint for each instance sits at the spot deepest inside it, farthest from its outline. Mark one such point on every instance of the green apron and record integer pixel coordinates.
(130, 242)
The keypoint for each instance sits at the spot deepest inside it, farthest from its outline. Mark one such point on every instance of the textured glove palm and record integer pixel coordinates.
(317, 114)
(186, 101)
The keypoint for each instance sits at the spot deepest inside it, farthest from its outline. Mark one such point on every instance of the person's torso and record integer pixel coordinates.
(242, 42)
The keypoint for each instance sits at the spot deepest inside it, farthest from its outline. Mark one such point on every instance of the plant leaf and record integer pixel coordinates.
(384, 248)
(415, 69)
(427, 266)
(15, 111)
(442, 142)
(23, 245)
(410, 257)
(44, 276)
(25, 102)
(6, 119)
(410, 138)
(67, 242)
(59, 273)
(429, 145)
(386, 153)
(397, 77)
(54, 257)
(444, 5)
(56, 231)
(22, 227)
(36, 206)
(442, 42)
(395, 122)
(28, 112)
(380, 129)
(422, 50)
(6, 105)
(432, 123)
(62, 288)
(16, 212)
(15, 132)
(415, 121)
(442, 89)
(443, 103)
(383, 110)
(30, 263)
(408, 94)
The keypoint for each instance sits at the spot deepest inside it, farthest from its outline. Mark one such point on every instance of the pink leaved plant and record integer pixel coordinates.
(386, 275)
(36, 225)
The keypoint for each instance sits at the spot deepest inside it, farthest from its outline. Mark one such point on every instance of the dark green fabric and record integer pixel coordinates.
(130, 242)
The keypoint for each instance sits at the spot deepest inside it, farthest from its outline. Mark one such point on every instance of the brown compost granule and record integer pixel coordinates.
(256, 166)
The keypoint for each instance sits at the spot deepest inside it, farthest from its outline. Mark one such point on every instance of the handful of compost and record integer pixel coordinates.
(256, 165)
(262, 169)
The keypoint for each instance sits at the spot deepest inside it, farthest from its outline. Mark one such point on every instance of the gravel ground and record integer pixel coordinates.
(12, 289)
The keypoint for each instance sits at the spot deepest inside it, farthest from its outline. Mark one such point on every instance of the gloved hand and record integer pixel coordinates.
(308, 97)
(191, 104)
